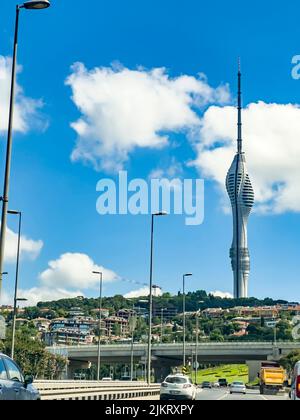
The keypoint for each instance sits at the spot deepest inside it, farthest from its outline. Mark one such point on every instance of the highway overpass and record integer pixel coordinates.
(167, 356)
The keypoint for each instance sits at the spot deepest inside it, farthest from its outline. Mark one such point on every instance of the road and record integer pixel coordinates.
(224, 395)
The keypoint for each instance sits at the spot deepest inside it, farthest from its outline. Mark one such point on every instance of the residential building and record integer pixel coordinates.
(116, 326)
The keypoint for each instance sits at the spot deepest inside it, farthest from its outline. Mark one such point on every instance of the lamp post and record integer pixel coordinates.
(100, 274)
(14, 324)
(132, 324)
(17, 213)
(30, 5)
(275, 336)
(151, 296)
(162, 324)
(184, 318)
(197, 344)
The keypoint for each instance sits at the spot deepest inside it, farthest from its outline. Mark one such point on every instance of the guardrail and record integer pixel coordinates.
(89, 390)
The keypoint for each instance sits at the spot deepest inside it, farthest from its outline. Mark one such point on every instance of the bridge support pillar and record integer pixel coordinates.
(74, 366)
(161, 372)
(254, 369)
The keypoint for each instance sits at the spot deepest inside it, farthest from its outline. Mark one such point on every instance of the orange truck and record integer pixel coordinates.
(272, 378)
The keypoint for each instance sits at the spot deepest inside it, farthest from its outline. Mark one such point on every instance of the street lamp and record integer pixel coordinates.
(132, 325)
(100, 319)
(30, 5)
(143, 301)
(151, 295)
(16, 213)
(184, 320)
(275, 336)
(197, 344)
(35, 5)
(162, 324)
(12, 353)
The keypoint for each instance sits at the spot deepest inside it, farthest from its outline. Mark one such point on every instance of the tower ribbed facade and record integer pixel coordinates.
(241, 195)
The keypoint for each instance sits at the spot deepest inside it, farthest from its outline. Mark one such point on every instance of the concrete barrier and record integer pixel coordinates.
(89, 390)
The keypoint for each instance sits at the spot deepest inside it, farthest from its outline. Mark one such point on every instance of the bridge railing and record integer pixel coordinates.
(252, 344)
(93, 390)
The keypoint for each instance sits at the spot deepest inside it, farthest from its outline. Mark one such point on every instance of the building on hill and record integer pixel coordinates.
(268, 322)
(259, 311)
(213, 312)
(42, 324)
(125, 313)
(76, 312)
(65, 337)
(116, 327)
(84, 325)
(168, 313)
(104, 312)
(290, 307)
(72, 331)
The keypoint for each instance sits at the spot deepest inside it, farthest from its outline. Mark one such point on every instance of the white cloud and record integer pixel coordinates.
(74, 270)
(223, 295)
(5, 298)
(26, 113)
(143, 292)
(65, 278)
(46, 294)
(30, 249)
(174, 170)
(271, 135)
(124, 109)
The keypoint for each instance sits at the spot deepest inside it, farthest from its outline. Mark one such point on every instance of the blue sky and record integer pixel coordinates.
(58, 196)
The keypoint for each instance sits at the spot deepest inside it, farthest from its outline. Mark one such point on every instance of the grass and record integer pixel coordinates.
(230, 372)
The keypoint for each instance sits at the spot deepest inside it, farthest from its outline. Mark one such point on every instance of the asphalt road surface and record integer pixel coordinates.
(224, 395)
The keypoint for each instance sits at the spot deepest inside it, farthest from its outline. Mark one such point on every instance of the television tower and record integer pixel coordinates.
(241, 195)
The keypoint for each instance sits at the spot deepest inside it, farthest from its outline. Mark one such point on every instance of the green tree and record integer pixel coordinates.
(289, 361)
(31, 355)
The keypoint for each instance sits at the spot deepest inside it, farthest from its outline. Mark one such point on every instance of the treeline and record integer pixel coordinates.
(194, 301)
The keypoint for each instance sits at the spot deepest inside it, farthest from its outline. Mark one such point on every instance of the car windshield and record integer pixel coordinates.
(176, 380)
(238, 384)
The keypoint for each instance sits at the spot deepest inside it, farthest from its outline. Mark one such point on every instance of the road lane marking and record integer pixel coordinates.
(223, 397)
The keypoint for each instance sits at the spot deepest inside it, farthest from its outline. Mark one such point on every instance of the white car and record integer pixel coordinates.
(295, 392)
(178, 387)
(238, 388)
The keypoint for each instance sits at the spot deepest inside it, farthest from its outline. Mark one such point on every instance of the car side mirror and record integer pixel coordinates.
(28, 380)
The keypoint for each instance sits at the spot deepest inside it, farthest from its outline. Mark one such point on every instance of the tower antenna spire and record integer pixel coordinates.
(239, 140)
